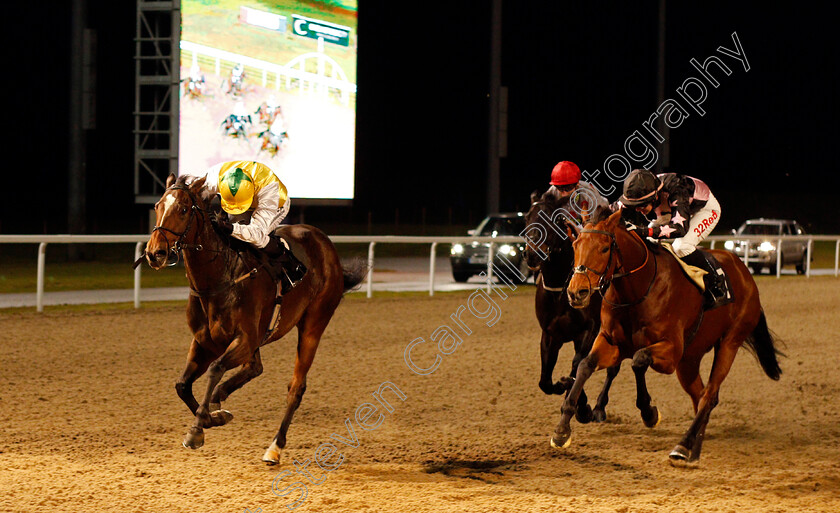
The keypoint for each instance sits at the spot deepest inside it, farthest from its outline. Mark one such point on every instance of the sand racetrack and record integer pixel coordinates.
(91, 421)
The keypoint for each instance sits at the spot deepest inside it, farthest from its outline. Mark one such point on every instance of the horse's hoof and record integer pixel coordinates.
(561, 441)
(220, 417)
(565, 383)
(584, 414)
(680, 456)
(194, 438)
(654, 420)
(599, 415)
(272, 454)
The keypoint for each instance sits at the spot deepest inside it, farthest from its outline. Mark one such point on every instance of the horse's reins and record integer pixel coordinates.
(604, 282)
(179, 246)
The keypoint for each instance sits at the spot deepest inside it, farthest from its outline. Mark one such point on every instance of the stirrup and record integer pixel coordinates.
(287, 283)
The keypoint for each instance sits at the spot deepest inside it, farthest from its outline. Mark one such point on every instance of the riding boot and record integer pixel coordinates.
(291, 269)
(712, 280)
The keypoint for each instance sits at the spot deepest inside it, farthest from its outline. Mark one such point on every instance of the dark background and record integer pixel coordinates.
(581, 78)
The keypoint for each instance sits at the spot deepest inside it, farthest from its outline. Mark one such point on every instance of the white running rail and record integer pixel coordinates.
(371, 240)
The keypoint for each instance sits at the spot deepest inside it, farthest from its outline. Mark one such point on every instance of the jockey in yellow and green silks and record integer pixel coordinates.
(252, 195)
(256, 202)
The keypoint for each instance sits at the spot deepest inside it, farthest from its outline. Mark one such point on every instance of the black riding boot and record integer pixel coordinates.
(292, 269)
(712, 280)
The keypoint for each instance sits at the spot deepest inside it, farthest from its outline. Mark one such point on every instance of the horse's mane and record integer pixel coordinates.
(654, 246)
(204, 194)
(551, 203)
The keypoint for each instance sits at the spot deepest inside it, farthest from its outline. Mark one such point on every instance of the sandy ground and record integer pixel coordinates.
(91, 420)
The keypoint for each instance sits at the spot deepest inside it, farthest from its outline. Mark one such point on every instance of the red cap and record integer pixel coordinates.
(565, 173)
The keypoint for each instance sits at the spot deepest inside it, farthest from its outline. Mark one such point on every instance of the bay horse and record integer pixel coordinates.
(550, 256)
(653, 315)
(232, 301)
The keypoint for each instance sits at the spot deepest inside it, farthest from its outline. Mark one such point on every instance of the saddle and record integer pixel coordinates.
(706, 273)
(282, 266)
(285, 269)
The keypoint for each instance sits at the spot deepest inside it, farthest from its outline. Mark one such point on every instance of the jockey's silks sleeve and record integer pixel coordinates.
(686, 196)
(271, 200)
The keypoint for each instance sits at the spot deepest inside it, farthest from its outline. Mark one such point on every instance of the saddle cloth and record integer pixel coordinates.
(695, 274)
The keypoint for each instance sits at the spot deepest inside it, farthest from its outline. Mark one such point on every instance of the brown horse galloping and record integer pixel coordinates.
(231, 305)
(560, 322)
(653, 314)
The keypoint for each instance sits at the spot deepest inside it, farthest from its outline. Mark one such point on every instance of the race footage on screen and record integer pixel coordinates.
(272, 81)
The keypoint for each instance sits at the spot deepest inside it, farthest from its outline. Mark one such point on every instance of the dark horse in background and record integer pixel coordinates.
(651, 313)
(232, 300)
(550, 256)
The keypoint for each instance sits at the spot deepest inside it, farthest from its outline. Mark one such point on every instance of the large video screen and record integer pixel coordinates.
(272, 81)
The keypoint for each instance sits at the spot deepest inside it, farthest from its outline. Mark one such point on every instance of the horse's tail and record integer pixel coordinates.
(354, 272)
(762, 343)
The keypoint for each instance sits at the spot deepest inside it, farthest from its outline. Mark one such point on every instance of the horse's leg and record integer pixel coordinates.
(688, 372)
(198, 360)
(548, 359)
(599, 414)
(249, 371)
(724, 356)
(584, 411)
(236, 354)
(603, 355)
(641, 362)
(310, 329)
(663, 356)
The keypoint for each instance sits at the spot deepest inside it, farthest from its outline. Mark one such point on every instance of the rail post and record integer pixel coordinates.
(778, 259)
(432, 269)
(489, 267)
(837, 258)
(808, 258)
(370, 270)
(42, 262)
(138, 252)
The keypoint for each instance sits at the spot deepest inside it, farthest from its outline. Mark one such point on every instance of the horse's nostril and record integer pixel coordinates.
(160, 253)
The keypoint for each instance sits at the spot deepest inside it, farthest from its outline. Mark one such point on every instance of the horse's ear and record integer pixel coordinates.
(198, 184)
(572, 231)
(535, 196)
(553, 194)
(170, 180)
(614, 219)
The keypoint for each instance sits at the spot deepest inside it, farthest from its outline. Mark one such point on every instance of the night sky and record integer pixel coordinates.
(581, 78)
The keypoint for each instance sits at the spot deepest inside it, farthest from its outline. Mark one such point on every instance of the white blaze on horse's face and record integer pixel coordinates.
(168, 202)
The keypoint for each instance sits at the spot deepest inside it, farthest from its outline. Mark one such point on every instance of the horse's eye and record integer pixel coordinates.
(183, 210)
(605, 249)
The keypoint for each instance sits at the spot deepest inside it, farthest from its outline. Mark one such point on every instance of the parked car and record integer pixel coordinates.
(470, 259)
(763, 254)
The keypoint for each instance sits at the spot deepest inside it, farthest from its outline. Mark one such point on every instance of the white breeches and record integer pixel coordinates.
(699, 227)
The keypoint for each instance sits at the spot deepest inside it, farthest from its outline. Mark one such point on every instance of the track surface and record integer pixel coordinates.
(92, 421)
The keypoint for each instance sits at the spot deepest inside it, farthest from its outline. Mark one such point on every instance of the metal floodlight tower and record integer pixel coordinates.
(156, 96)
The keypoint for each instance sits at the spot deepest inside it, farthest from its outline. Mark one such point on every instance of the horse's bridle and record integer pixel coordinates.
(604, 281)
(178, 246)
(547, 258)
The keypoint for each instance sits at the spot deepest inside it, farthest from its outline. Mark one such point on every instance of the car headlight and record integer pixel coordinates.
(457, 249)
(766, 247)
(730, 245)
(507, 249)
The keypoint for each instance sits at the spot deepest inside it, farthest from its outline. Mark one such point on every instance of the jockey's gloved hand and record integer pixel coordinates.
(222, 223)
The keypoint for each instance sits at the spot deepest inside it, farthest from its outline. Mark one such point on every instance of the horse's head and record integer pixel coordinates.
(178, 214)
(596, 257)
(549, 230)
